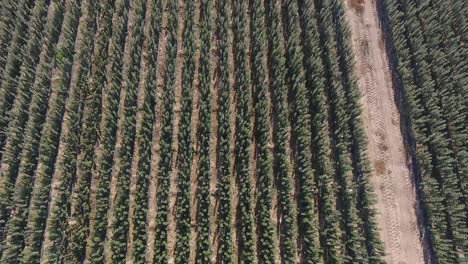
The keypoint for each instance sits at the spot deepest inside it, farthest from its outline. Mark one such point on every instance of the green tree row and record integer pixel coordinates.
(203, 219)
(50, 134)
(37, 109)
(108, 129)
(262, 107)
(281, 124)
(369, 246)
(144, 136)
(77, 230)
(301, 137)
(242, 86)
(428, 90)
(65, 168)
(12, 131)
(17, 19)
(124, 151)
(330, 234)
(184, 158)
(224, 174)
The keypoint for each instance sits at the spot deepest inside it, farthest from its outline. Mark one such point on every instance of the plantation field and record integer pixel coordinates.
(212, 131)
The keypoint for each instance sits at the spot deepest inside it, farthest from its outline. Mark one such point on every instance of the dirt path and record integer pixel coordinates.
(194, 132)
(155, 152)
(172, 224)
(396, 196)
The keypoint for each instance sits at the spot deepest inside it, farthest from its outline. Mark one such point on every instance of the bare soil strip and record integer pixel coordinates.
(213, 135)
(171, 235)
(391, 174)
(141, 98)
(75, 74)
(232, 123)
(155, 155)
(118, 144)
(194, 132)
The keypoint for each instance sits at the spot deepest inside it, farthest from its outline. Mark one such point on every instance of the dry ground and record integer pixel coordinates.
(391, 175)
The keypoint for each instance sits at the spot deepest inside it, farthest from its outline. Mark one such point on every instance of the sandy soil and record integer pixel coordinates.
(213, 135)
(76, 73)
(391, 176)
(119, 138)
(171, 234)
(155, 155)
(141, 98)
(194, 132)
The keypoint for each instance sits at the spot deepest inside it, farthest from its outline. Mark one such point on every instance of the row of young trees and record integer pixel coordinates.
(119, 226)
(65, 168)
(242, 88)
(294, 87)
(185, 155)
(107, 133)
(78, 217)
(203, 219)
(22, 171)
(223, 192)
(13, 126)
(263, 168)
(145, 135)
(428, 54)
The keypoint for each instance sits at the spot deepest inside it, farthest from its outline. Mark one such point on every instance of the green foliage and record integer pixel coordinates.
(279, 93)
(77, 229)
(184, 159)
(246, 245)
(65, 168)
(108, 129)
(124, 152)
(301, 131)
(50, 135)
(203, 229)
(265, 229)
(19, 24)
(431, 84)
(167, 128)
(321, 142)
(18, 220)
(12, 132)
(224, 217)
(144, 137)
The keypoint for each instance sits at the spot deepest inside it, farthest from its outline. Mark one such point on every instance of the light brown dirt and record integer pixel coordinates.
(194, 131)
(213, 137)
(119, 138)
(171, 234)
(141, 98)
(391, 175)
(76, 73)
(232, 142)
(155, 155)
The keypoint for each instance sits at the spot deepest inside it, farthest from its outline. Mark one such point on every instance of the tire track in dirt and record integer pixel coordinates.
(213, 134)
(171, 228)
(396, 196)
(194, 132)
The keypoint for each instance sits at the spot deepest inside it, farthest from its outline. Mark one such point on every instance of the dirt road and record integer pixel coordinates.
(391, 176)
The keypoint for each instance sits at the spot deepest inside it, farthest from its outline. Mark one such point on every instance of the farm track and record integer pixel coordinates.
(391, 174)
